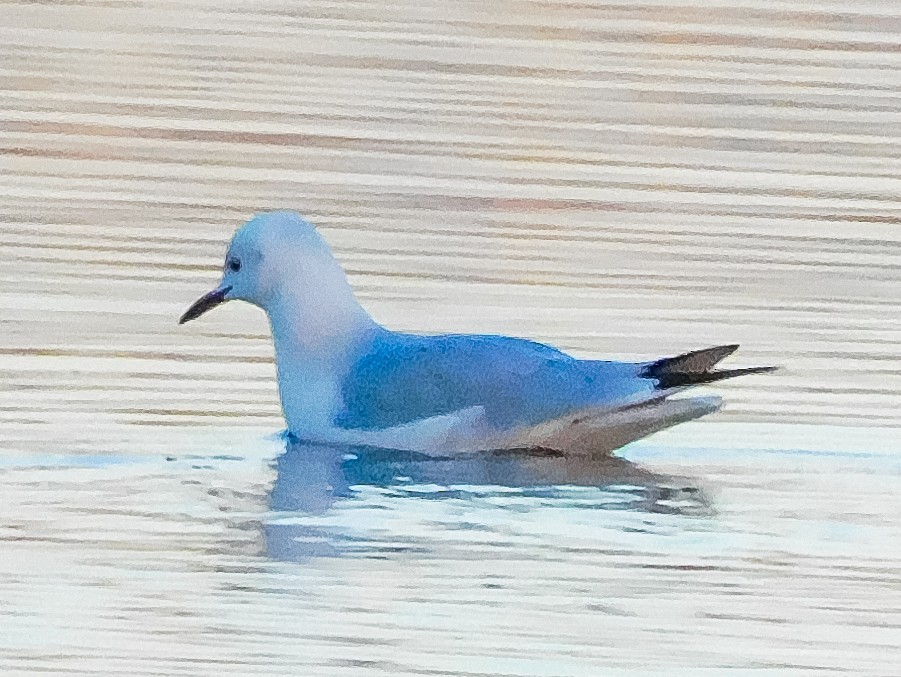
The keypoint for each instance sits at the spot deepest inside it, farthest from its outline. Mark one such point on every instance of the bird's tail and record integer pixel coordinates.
(695, 368)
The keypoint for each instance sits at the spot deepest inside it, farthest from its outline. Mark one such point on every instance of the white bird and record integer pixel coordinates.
(344, 379)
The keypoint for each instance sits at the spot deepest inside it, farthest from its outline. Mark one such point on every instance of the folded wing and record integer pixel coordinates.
(404, 378)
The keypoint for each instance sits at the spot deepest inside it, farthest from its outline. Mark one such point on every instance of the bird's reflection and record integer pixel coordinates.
(311, 479)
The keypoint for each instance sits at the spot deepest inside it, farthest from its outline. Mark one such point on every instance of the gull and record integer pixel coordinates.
(343, 379)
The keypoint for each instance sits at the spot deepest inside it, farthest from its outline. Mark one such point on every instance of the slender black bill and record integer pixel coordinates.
(205, 303)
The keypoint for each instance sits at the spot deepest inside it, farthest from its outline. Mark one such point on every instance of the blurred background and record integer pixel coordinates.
(622, 180)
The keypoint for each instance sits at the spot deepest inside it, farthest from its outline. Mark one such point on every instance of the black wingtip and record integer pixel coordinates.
(696, 367)
(668, 381)
(693, 362)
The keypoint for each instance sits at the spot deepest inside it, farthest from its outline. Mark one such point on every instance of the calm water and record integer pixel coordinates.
(623, 180)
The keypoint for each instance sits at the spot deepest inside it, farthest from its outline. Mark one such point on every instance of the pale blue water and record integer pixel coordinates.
(302, 559)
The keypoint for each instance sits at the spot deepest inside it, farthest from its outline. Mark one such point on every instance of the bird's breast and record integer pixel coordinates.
(310, 395)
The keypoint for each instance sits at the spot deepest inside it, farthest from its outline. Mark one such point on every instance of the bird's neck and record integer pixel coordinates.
(317, 327)
(317, 337)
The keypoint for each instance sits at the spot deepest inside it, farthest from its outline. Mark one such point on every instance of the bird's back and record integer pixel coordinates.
(401, 378)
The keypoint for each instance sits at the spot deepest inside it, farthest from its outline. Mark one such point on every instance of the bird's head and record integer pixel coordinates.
(279, 259)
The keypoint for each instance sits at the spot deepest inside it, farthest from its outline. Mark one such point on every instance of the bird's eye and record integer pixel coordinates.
(234, 265)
